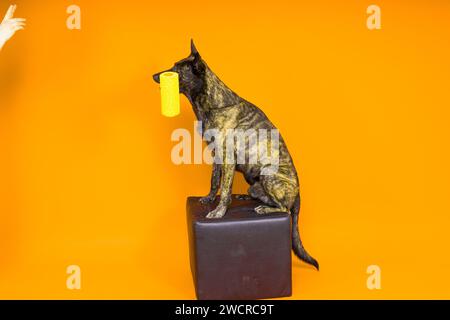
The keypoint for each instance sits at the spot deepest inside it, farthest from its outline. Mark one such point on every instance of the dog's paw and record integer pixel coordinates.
(243, 197)
(261, 209)
(207, 199)
(216, 213)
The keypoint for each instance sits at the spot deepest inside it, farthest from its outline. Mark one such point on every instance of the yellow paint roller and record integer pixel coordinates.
(170, 94)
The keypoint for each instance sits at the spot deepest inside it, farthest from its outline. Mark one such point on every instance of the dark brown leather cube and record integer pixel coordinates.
(240, 256)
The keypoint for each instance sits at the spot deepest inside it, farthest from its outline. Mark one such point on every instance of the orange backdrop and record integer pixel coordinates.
(85, 171)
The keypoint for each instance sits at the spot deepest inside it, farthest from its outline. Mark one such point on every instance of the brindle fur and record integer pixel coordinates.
(218, 107)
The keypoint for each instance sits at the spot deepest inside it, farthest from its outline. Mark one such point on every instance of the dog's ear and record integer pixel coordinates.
(194, 51)
(199, 66)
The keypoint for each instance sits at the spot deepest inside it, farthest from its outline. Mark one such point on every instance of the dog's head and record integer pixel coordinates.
(191, 72)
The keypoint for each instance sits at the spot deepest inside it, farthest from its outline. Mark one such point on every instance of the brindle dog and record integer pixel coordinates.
(220, 108)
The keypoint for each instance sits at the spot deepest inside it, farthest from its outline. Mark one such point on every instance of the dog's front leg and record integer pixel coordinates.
(225, 192)
(215, 183)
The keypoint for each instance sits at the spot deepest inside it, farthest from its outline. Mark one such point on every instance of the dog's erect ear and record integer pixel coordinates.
(199, 66)
(194, 51)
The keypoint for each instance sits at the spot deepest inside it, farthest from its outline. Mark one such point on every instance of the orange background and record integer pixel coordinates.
(85, 170)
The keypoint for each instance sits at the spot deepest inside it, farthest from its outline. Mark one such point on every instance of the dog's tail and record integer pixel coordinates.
(297, 245)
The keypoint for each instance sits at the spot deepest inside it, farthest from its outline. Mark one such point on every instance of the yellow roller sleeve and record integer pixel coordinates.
(170, 94)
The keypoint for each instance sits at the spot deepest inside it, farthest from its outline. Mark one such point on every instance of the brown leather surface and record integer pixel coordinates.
(240, 256)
